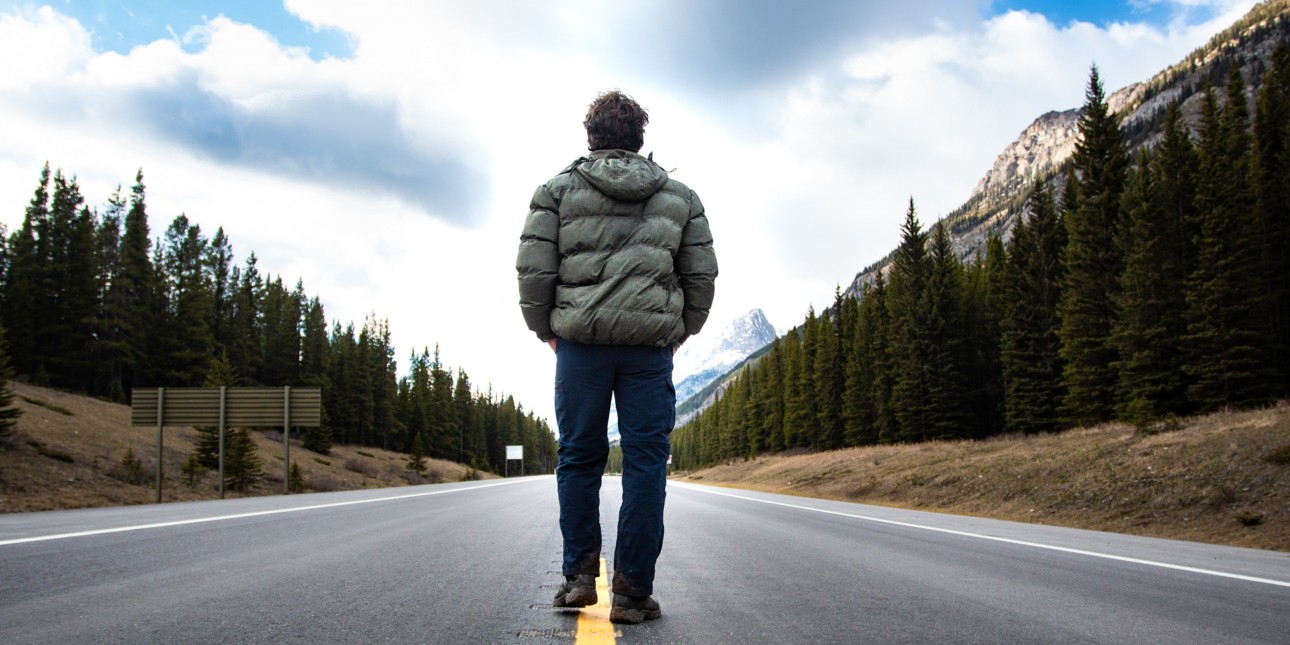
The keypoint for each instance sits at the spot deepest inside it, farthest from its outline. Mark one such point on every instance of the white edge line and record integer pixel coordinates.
(200, 520)
(1095, 554)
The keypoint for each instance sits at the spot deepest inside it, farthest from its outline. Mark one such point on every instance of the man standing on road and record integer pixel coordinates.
(616, 270)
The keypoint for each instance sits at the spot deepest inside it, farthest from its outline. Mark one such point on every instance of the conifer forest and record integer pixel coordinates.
(1136, 289)
(92, 303)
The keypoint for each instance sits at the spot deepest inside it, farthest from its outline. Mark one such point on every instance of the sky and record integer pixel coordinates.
(384, 152)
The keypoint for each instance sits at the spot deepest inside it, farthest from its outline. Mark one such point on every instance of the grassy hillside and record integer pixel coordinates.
(67, 453)
(1223, 478)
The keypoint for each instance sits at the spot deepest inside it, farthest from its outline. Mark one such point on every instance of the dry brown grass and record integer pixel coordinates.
(55, 427)
(1221, 478)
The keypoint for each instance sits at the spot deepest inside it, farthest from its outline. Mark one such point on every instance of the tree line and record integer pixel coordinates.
(91, 303)
(1146, 288)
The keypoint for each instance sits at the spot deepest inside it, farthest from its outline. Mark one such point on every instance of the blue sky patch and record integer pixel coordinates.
(120, 25)
(1104, 12)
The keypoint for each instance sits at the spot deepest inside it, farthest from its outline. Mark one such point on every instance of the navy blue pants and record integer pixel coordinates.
(640, 380)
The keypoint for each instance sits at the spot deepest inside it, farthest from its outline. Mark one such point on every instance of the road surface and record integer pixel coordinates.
(478, 562)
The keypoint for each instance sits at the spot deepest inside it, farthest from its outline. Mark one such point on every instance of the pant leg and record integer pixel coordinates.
(584, 381)
(646, 414)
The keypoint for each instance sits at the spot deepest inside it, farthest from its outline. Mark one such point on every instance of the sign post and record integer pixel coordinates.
(514, 452)
(225, 406)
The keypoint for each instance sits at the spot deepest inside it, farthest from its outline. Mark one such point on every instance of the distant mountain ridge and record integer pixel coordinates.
(705, 358)
(711, 355)
(1043, 149)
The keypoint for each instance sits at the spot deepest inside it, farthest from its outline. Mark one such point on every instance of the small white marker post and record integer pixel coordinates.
(514, 452)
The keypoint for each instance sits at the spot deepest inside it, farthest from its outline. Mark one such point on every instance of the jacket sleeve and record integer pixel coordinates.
(538, 262)
(696, 266)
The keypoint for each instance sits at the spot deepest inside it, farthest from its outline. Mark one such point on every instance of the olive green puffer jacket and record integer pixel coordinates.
(615, 252)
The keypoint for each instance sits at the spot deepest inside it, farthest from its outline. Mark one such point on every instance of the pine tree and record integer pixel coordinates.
(1093, 263)
(131, 310)
(108, 348)
(241, 461)
(1148, 333)
(220, 373)
(829, 378)
(1272, 177)
(24, 301)
(186, 343)
(983, 310)
(295, 479)
(946, 332)
(8, 414)
(218, 267)
(1229, 320)
(911, 342)
(247, 350)
(857, 390)
(795, 411)
(69, 288)
(1029, 345)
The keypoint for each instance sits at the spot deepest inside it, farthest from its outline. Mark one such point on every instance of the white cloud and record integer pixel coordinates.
(395, 181)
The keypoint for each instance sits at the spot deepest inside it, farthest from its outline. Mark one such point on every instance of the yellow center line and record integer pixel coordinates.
(594, 627)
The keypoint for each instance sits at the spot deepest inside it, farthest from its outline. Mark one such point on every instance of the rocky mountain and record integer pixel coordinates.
(1043, 149)
(710, 356)
(705, 358)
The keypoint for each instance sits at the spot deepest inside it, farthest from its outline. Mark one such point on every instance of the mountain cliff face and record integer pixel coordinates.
(705, 358)
(708, 357)
(1043, 149)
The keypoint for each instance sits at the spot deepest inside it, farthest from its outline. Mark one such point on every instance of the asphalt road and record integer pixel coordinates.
(478, 562)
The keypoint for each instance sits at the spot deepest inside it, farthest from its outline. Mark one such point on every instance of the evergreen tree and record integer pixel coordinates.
(69, 286)
(220, 373)
(8, 414)
(1272, 177)
(983, 309)
(1093, 263)
(416, 456)
(773, 397)
(241, 461)
(131, 310)
(219, 266)
(186, 341)
(948, 352)
(1148, 333)
(1228, 329)
(24, 301)
(829, 377)
(1029, 345)
(796, 413)
(911, 341)
(295, 479)
(108, 347)
(247, 350)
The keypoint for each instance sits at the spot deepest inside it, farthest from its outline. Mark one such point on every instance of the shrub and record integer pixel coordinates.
(1247, 518)
(361, 467)
(296, 480)
(52, 453)
(131, 467)
(322, 461)
(366, 454)
(1279, 456)
(191, 468)
(324, 483)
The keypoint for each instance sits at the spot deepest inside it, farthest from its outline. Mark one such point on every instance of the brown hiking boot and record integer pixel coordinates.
(630, 610)
(576, 591)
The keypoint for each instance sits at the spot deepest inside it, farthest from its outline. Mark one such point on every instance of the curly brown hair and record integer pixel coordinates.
(615, 122)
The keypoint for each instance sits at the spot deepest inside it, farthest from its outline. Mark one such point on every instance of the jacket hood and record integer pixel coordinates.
(622, 175)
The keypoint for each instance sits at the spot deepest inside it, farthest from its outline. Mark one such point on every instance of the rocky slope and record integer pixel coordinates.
(1041, 151)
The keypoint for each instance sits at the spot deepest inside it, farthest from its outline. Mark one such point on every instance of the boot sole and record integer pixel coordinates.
(577, 597)
(625, 616)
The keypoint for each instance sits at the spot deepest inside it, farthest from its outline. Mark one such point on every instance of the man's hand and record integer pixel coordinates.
(551, 343)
